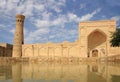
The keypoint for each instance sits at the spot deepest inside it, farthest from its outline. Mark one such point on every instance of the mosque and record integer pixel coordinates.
(93, 42)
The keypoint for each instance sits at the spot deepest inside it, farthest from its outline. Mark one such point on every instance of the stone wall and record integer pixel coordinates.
(57, 72)
(51, 50)
(93, 35)
(2, 51)
(114, 51)
(5, 50)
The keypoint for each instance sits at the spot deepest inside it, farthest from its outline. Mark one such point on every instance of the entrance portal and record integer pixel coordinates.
(95, 39)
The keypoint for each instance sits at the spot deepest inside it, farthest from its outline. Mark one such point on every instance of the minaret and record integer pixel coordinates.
(19, 36)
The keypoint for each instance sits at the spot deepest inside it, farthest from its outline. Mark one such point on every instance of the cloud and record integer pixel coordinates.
(32, 9)
(12, 31)
(2, 26)
(89, 15)
(42, 23)
(36, 35)
(47, 17)
(59, 21)
(50, 22)
(55, 5)
(27, 7)
(117, 18)
(73, 17)
(53, 29)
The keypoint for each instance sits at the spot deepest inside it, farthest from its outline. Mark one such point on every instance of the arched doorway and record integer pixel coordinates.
(95, 39)
(95, 53)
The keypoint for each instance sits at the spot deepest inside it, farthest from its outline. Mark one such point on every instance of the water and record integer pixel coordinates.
(56, 72)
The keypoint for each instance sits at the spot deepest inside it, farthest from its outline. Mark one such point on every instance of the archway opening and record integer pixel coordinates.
(95, 39)
(95, 53)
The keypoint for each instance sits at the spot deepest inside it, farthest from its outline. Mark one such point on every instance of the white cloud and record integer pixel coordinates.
(5, 27)
(2, 26)
(45, 24)
(56, 5)
(27, 7)
(117, 18)
(12, 31)
(39, 7)
(89, 15)
(64, 35)
(59, 21)
(39, 14)
(46, 15)
(42, 23)
(73, 17)
(36, 35)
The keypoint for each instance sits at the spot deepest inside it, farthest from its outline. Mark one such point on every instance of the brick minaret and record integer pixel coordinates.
(19, 36)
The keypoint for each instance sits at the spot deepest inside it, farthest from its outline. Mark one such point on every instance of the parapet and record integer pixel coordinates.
(20, 16)
(97, 23)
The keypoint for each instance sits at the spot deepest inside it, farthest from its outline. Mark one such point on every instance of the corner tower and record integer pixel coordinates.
(19, 36)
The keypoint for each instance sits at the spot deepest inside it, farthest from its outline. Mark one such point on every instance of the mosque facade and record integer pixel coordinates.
(94, 41)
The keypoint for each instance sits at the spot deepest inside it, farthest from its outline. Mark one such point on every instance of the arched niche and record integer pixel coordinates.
(95, 53)
(51, 51)
(96, 39)
(65, 52)
(43, 52)
(28, 52)
(57, 52)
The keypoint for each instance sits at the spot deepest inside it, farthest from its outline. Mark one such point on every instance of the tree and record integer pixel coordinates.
(115, 38)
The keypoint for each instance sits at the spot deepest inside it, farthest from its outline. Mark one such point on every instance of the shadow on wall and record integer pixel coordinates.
(6, 50)
(96, 38)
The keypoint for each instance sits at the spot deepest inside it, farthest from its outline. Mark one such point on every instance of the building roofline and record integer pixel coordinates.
(91, 21)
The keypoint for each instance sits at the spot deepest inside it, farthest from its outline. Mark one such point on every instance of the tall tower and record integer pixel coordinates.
(19, 36)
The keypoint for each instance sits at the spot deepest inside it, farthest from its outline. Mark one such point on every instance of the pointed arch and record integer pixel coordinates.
(96, 38)
(28, 52)
(98, 31)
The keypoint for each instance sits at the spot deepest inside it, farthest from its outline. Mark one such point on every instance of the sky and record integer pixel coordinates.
(53, 20)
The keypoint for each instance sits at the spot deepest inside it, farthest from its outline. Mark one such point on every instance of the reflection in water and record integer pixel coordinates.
(94, 68)
(5, 71)
(16, 72)
(53, 72)
(115, 78)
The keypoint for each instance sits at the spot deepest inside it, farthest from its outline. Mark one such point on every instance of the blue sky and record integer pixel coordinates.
(53, 20)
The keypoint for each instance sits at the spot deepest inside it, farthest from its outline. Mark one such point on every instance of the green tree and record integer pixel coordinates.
(115, 38)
